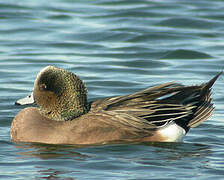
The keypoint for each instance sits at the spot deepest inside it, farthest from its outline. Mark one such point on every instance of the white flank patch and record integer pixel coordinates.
(172, 132)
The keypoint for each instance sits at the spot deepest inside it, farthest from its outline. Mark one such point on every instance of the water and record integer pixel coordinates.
(117, 47)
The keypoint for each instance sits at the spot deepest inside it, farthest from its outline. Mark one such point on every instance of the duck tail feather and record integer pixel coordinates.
(209, 84)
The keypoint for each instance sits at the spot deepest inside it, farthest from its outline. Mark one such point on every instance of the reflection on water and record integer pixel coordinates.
(44, 151)
(72, 161)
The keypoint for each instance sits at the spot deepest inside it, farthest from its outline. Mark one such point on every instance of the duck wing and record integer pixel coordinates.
(155, 107)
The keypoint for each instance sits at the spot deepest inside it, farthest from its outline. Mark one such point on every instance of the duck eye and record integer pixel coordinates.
(43, 87)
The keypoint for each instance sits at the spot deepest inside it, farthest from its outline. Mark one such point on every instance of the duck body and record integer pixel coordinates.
(163, 113)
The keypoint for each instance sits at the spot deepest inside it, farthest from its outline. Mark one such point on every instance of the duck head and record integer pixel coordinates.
(60, 94)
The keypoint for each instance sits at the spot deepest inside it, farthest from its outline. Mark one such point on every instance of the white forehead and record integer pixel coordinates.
(46, 68)
(42, 71)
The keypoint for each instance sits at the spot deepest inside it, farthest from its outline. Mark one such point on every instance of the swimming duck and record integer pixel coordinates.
(163, 113)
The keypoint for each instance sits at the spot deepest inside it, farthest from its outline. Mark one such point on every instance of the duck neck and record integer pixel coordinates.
(65, 107)
(74, 107)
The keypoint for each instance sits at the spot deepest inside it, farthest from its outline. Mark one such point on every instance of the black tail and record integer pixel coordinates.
(204, 106)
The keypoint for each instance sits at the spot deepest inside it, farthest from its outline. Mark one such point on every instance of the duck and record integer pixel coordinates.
(63, 114)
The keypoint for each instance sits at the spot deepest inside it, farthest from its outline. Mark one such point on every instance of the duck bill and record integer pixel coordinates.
(27, 100)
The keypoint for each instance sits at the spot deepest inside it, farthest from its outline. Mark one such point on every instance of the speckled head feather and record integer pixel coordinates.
(60, 94)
